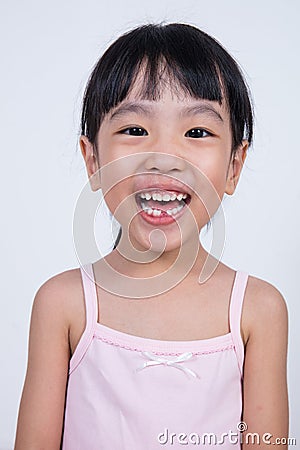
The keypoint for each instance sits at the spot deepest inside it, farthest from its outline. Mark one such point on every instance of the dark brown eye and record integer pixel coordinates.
(135, 131)
(197, 133)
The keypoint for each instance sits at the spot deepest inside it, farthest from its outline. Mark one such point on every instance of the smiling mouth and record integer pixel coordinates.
(162, 204)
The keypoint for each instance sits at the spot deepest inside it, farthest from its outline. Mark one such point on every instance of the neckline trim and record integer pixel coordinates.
(130, 341)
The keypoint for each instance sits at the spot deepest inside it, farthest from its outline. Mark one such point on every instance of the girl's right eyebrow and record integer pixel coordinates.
(132, 107)
(199, 108)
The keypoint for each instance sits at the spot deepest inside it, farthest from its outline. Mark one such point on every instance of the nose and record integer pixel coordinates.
(164, 162)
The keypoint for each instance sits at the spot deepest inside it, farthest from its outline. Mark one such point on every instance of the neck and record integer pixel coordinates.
(124, 277)
(136, 263)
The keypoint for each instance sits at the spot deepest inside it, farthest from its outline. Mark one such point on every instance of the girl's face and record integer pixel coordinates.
(165, 165)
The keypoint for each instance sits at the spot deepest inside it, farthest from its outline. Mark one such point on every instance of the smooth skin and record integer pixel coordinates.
(58, 316)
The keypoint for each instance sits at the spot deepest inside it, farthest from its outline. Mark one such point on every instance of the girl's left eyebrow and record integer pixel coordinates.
(202, 108)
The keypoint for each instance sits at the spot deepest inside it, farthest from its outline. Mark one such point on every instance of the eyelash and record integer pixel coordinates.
(136, 130)
(199, 133)
(139, 131)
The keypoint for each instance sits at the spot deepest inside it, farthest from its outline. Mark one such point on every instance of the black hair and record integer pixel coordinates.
(197, 63)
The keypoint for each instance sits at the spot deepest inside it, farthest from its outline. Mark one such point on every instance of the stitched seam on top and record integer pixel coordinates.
(79, 359)
(157, 352)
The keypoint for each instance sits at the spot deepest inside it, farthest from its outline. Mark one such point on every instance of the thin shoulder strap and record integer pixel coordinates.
(91, 314)
(90, 295)
(235, 314)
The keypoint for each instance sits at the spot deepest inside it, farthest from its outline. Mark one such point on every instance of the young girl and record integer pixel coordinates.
(159, 344)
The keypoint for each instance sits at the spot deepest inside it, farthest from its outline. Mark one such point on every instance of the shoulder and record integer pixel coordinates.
(60, 298)
(61, 283)
(264, 306)
(263, 298)
(57, 290)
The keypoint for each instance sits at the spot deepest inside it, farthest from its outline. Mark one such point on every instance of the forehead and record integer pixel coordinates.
(167, 91)
(165, 80)
(171, 102)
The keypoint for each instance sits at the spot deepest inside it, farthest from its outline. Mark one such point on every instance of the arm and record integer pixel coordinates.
(41, 411)
(265, 384)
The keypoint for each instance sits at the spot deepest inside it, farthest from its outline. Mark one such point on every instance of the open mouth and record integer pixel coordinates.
(161, 203)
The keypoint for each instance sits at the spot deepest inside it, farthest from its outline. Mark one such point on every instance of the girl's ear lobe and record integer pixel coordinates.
(91, 162)
(235, 167)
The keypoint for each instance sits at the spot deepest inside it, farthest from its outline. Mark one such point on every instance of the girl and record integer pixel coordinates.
(159, 343)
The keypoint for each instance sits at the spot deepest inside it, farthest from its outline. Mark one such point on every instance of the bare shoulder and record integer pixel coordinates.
(61, 283)
(264, 305)
(61, 298)
(262, 297)
(57, 291)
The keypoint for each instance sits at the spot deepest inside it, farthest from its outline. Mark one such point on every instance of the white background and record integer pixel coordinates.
(47, 51)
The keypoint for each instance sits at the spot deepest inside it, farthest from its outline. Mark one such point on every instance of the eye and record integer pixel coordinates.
(134, 131)
(197, 133)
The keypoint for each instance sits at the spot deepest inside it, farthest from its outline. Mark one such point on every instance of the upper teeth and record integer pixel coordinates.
(162, 197)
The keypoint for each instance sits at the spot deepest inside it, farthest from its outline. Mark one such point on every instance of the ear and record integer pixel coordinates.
(235, 167)
(91, 162)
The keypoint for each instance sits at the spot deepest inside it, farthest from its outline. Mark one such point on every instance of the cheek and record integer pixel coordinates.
(218, 181)
(114, 194)
(117, 180)
(115, 175)
(210, 185)
(120, 200)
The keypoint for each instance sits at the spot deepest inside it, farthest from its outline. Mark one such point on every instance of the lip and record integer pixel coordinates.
(169, 185)
(162, 187)
(163, 219)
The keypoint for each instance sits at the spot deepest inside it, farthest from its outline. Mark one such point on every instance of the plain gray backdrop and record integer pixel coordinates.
(47, 52)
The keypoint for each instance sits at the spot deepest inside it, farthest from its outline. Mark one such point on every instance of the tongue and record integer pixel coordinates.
(163, 206)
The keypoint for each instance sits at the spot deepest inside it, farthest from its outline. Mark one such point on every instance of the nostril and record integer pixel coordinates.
(164, 163)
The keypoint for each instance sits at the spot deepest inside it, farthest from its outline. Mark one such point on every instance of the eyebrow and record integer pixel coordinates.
(132, 107)
(148, 110)
(202, 109)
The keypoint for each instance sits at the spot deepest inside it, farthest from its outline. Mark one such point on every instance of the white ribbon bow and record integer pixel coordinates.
(155, 360)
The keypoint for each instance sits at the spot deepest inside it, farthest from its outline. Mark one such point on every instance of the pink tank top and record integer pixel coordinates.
(132, 393)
